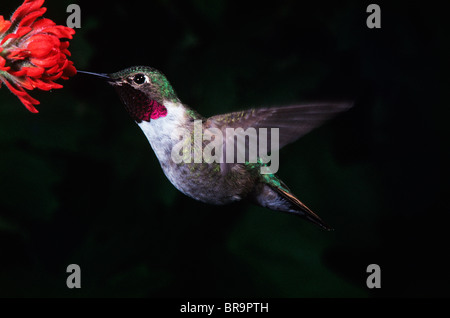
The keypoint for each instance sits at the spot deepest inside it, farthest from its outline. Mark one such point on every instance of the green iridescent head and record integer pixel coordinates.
(147, 80)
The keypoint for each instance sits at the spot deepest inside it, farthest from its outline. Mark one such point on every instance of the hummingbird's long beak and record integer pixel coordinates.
(102, 75)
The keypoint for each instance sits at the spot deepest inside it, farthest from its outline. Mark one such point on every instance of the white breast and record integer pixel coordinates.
(159, 132)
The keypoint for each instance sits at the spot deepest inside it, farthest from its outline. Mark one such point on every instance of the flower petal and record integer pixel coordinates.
(40, 45)
(23, 96)
(69, 71)
(27, 7)
(45, 85)
(4, 25)
(34, 71)
(2, 64)
(18, 34)
(31, 17)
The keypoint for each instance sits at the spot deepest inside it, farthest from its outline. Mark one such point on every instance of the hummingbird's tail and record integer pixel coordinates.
(302, 209)
(278, 197)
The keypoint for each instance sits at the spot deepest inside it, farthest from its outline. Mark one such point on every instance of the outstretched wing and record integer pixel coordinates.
(292, 121)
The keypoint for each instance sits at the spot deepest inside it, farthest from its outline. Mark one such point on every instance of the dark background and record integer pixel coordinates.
(80, 184)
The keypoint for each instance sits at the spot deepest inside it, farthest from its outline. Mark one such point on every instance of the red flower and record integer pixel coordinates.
(33, 52)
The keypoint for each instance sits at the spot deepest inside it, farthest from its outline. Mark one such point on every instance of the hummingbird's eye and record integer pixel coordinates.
(139, 79)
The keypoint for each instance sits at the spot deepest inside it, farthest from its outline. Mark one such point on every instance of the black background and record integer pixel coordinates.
(80, 184)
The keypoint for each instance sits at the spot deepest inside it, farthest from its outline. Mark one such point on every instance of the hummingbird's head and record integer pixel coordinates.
(144, 91)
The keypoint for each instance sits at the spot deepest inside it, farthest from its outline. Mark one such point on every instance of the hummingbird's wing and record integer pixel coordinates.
(292, 122)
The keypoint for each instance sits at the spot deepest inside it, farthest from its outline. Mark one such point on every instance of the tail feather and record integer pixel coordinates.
(303, 209)
(276, 196)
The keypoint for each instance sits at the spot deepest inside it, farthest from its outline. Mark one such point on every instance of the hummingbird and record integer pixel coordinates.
(152, 103)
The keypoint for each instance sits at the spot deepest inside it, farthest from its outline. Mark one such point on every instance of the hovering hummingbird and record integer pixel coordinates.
(153, 104)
